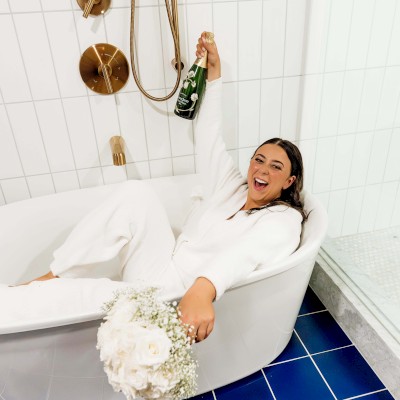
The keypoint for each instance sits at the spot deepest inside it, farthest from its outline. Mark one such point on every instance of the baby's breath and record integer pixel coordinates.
(137, 309)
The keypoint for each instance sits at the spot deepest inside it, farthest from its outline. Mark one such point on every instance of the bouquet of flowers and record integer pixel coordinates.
(145, 348)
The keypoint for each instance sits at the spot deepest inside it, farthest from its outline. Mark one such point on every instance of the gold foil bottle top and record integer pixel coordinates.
(202, 62)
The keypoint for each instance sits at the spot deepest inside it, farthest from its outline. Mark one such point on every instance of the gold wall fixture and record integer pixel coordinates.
(104, 68)
(93, 7)
(118, 150)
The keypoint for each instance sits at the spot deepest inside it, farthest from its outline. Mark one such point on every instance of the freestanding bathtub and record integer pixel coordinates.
(56, 358)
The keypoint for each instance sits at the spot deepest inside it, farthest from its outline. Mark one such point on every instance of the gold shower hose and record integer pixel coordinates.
(172, 10)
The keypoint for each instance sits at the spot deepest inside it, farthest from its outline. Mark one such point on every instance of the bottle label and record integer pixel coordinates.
(188, 95)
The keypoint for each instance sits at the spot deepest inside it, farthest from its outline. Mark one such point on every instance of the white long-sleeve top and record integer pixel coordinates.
(211, 244)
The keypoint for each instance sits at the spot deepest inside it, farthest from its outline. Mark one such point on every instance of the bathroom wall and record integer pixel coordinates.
(324, 73)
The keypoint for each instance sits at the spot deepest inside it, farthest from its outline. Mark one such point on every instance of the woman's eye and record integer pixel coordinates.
(276, 167)
(259, 160)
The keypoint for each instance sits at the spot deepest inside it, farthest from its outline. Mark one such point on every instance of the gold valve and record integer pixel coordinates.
(104, 68)
(118, 150)
(93, 7)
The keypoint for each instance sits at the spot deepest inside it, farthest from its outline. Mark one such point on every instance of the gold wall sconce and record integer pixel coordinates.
(117, 145)
(93, 7)
(104, 68)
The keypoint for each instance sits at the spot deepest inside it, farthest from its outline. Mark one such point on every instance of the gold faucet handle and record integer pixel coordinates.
(88, 7)
(106, 72)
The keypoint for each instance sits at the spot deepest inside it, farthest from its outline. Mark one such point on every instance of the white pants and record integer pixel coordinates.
(127, 236)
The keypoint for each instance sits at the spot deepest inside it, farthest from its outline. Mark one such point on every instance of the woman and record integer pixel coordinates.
(240, 225)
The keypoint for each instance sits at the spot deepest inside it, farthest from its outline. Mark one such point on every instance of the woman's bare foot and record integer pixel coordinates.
(45, 277)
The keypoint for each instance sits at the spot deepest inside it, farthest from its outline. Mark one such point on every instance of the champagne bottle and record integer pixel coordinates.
(193, 86)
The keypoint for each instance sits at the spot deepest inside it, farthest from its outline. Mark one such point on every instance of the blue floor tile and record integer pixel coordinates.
(294, 349)
(253, 387)
(347, 373)
(297, 380)
(204, 396)
(320, 332)
(385, 395)
(311, 303)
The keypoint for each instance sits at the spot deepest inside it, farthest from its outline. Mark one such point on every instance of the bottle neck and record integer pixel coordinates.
(202, 62)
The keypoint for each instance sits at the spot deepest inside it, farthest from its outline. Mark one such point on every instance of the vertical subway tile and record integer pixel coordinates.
(226, 34)
(65, 52)
(199, 19)
(389, 98)
(343, 156)
(36, 53)
(187, 49)
(132, 126)
(114, 174)
(317, 31)
(386, 205)
(157, 129)
(363, 12)
(290, 107)
(245, 155)
(28, 138)
(394, 45)
(295, 34)
(138, 170)
(330, 104)
(370, 99)
(396, 211)
(230, 102)
(249, 113)
(308, 149)
(81, 132)
(90, 177)
(369, 208)
(181, 131)
(381, 32)
(273, 38)
(25, 6)
(55, 135)
(337, 203)
(65, 181)
(270, 108)
(10, 165)
(352, 212)
(311, 92)
(360, 158)
(40, 185)
(392, 167)
(106, 124)
(338, 36)
(89, 31)
(15, 189)
(160, 168)
(323, 164)
(379, 155)
(249, 39)
(183, 165)
(350, 104)
(4, 8)
(15, 87)
(2, 199)
(148, 36)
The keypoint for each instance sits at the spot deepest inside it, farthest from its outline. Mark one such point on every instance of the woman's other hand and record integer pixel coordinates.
(213, 61)
(197, 309)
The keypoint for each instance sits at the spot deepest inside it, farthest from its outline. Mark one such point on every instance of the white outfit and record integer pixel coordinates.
(133, 224)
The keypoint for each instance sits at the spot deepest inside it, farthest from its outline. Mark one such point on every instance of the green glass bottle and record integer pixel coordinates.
(193, 86)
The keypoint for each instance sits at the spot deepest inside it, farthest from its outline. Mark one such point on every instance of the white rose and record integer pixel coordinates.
(152, 347)
(194, 97)
(123, 311)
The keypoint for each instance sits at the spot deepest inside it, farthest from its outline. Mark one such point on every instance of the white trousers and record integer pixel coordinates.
(128, 236)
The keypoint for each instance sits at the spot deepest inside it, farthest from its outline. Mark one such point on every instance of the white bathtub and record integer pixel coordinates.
(254, 319)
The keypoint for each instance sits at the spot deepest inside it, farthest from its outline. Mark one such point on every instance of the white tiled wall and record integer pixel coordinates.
(323, 73)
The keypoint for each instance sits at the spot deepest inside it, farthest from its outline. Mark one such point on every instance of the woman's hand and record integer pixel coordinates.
(213, 61)
(197, 309)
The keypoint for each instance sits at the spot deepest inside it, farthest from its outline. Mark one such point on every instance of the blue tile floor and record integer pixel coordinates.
(319, 363)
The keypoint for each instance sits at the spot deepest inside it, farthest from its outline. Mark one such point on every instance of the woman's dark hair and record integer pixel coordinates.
(291, 195)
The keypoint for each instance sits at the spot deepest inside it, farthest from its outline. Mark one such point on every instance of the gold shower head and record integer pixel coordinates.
(118, 150)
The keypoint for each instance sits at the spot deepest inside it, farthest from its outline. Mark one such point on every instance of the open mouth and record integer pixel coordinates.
(259, 184)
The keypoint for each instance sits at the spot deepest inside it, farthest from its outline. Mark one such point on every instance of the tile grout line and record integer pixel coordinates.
(312, 313)
(269, 386)
(366, 394)
(315, 365)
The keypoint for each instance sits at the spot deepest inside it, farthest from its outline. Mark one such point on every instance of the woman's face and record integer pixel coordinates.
(268, 175)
